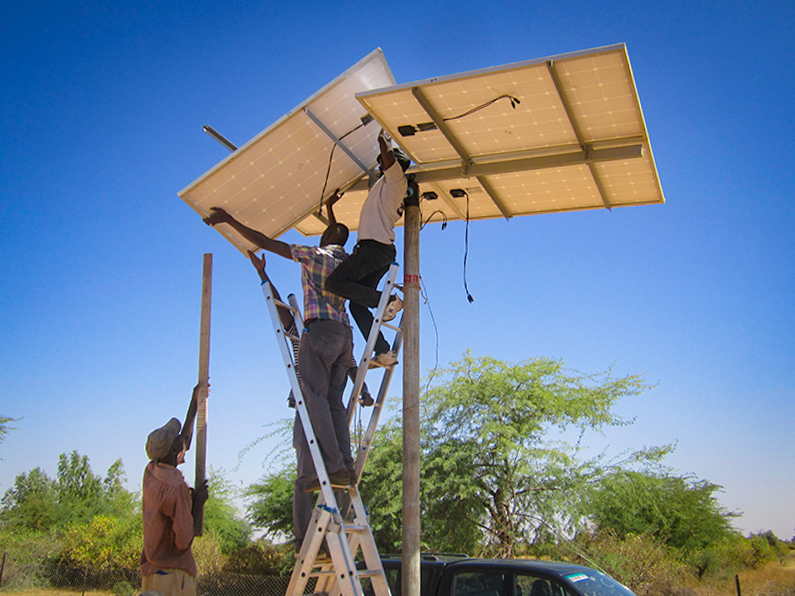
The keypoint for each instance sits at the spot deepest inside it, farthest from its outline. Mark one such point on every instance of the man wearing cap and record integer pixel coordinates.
(357, 277)
(325, 353)
(167, 564)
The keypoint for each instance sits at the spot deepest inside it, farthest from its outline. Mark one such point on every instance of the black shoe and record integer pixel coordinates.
(341, 478)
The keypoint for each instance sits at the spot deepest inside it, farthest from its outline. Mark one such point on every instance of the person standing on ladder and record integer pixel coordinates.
(357, 277)
(324, 356)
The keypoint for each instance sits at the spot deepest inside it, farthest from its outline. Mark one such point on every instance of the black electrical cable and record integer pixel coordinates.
(444, 219)
(466, 252)
(330, 158)
(514, 102)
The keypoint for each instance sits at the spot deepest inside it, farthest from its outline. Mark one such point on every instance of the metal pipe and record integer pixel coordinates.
(219, 137)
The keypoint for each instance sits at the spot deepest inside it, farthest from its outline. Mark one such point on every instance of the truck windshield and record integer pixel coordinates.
(593, 583)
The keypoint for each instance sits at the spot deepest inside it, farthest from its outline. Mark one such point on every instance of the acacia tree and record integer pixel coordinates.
(495, 418)
(492, 479)
(682, 512)
(4, 428)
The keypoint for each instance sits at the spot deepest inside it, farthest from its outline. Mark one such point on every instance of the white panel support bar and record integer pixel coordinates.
(336, 141)
(524, 164)
(564, 98)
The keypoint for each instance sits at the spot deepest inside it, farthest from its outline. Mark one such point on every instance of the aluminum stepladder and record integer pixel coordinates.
(345, 533)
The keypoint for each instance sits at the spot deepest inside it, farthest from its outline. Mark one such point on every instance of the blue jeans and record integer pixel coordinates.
(356, 279)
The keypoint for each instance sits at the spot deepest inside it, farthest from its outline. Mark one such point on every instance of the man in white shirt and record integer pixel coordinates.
(357, 277)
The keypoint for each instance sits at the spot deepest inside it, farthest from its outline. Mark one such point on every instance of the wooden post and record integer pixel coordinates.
(204, 375)
(411, 396)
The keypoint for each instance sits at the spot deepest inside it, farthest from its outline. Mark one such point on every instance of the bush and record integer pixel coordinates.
(208, 554)
(124, 588)
(643, 563)
(255, 559)
(29, 556)
(104, 542)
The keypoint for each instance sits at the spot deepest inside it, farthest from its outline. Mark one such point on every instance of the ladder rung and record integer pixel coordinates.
(370, 573)
(392, 327)
(354, 529)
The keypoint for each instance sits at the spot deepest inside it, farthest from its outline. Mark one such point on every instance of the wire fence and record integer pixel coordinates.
(44, 575)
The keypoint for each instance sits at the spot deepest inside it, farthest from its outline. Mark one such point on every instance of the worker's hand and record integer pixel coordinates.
(259, 264)
(200, 494)
(367, 399)
(197, 390)
(385, 136)
(217, 215)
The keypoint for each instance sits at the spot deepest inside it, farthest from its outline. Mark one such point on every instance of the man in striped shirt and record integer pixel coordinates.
(324, 356)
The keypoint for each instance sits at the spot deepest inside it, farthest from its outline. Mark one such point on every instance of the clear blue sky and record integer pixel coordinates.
(100, 261)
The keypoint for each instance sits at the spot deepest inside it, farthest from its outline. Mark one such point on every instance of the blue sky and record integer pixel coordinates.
(100, 261)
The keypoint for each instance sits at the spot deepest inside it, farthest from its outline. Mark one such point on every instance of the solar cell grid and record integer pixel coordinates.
(525, 158)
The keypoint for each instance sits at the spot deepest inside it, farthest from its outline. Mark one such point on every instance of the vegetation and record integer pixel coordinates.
(498, 479)
(80, 519)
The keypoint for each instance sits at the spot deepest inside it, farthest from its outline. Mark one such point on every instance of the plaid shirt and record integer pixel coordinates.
(317, 262)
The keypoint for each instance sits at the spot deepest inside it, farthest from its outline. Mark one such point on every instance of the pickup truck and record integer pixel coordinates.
(455, 575)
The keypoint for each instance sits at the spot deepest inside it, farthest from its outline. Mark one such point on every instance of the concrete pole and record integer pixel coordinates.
(411, 397)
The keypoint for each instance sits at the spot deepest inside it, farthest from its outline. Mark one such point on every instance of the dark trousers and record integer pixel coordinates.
(356, 279)
(324, 356)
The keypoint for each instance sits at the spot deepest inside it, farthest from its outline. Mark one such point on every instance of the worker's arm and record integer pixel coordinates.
(385, 145)
(332, 220)
(187, 426)
(218, 215)
(285, 316)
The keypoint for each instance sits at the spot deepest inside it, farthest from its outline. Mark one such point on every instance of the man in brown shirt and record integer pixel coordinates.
(167, 564)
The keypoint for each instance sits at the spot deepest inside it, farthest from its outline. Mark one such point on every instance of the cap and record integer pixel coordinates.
(159, 442)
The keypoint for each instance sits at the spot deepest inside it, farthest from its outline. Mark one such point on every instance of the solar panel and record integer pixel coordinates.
(557, 134)
(274, 182)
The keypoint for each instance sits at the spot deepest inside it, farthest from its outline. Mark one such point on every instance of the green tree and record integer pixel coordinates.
(37, 502)
(683, 512)
(486, 424)
(4, 428)
(270, 503)
(221, 517)
(493, 481)
(31, 503)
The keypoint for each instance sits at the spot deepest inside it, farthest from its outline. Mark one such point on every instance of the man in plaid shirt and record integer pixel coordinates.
(324, 356)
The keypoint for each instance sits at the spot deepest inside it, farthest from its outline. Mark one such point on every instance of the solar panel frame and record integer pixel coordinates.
(576, 141)
(274, 181)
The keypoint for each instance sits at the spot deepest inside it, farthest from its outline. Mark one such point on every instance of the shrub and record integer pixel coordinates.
(641, 562)
(29, 555)
(104, 542)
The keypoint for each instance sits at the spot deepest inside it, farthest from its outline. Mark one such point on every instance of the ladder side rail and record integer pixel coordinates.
(370, 346)
(366, 541)
(296, 310)
(300, 404)
(347, 578)
(305, 561)
(363, 449)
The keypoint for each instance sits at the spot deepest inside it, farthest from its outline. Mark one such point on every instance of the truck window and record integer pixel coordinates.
(476, 583)
(530, 585)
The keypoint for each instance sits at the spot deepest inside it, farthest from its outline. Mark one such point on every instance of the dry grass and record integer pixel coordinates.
(54, 592)
(774, 579)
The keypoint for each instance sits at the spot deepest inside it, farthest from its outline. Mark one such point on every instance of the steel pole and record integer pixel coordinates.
(411, 396)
